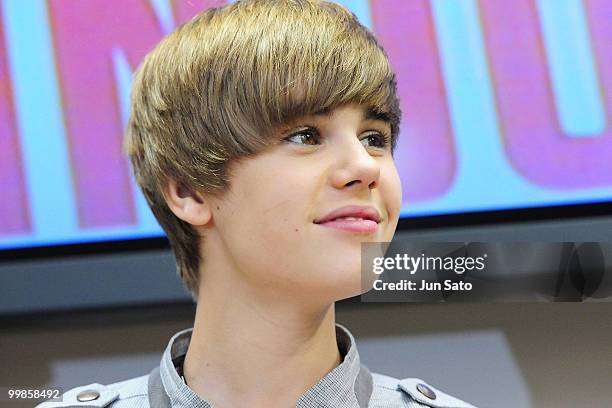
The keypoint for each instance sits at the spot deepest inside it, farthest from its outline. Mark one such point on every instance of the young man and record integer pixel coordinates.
(262, 135)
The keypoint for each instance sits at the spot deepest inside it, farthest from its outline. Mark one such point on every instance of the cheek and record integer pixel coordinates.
(269, 225)
(280, 249)
(391, 191)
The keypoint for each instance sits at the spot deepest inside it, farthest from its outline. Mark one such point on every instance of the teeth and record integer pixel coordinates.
(348, 219)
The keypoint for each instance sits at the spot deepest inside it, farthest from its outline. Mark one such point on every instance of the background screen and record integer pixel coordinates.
(505, 105)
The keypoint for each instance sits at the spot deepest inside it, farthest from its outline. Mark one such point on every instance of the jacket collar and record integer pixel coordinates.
(347, 385)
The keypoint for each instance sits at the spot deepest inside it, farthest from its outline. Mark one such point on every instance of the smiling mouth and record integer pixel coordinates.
(351, 224)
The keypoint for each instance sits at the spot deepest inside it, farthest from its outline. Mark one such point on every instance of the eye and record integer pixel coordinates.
(380, 140)
(308, 135)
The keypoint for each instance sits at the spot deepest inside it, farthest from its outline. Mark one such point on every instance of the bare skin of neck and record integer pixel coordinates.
(258, 351)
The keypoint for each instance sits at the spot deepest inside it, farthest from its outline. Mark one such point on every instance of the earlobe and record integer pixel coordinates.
(186, 204)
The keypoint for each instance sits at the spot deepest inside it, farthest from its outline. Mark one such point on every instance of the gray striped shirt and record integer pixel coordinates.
(349, 385)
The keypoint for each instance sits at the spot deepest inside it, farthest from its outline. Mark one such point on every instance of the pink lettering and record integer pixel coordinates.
(14, 213)
(533, 139)
(85, 34)
(425, 156)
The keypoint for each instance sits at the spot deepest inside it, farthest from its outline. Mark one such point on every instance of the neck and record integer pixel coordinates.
(247, 352)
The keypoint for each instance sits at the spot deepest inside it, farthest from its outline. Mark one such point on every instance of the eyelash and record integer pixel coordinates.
(384, 138)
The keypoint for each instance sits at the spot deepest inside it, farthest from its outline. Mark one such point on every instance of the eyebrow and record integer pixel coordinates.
(369, 114)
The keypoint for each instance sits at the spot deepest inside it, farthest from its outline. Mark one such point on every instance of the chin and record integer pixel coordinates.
(348, 286)
(354, 291)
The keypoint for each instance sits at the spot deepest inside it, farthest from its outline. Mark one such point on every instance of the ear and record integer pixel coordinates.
(187, 205)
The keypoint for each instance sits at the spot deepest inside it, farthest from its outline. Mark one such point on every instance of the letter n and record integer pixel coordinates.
(85, 35)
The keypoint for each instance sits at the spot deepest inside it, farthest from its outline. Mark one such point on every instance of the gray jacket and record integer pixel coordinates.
(348, 385)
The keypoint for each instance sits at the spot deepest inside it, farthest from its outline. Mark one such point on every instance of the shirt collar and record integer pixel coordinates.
(338, 388)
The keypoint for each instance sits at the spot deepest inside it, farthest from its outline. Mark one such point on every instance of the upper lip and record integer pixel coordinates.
(357, 211)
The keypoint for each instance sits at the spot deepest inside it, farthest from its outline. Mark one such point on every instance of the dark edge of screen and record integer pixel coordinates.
(562, 212)
(85, 248)
(116, 314)
(86, 316)
(500, 217)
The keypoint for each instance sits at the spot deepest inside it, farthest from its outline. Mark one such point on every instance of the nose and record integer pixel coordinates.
(356, 167)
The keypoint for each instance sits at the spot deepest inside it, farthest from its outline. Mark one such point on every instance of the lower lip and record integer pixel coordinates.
(360, 226)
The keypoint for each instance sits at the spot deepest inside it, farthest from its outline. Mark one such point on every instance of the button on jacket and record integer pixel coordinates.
(349, 385)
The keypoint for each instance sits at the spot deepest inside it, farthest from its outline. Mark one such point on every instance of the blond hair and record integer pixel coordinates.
(216, 88)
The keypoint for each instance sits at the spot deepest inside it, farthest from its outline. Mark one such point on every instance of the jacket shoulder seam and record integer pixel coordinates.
(132, 396)
(386, 387)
